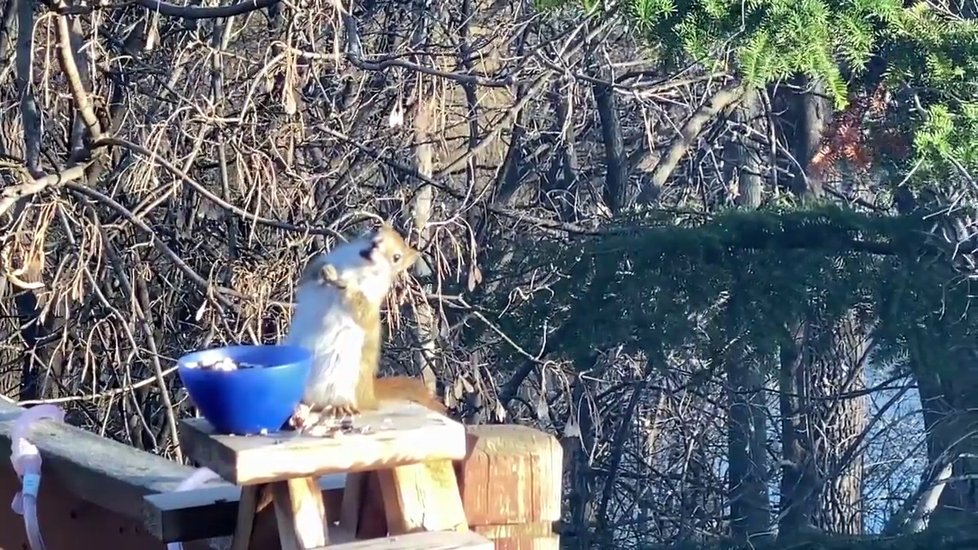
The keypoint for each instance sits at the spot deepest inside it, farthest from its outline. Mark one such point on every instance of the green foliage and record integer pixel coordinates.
(770, 39)
(933, 58)
(754, 273)
(749, 274)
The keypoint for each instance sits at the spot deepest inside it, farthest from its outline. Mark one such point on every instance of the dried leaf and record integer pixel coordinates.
(289, 100)
(571, 428)
(543, 408)
(152, 34)
(396, 117)
(200, 311)
(475, 277)
(500, 411)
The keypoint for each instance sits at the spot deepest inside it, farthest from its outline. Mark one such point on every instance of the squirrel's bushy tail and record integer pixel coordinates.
(395, 388)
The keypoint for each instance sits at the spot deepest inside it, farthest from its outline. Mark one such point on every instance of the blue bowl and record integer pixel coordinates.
(246, 401)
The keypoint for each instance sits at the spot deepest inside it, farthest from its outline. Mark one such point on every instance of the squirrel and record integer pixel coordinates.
(337, 316)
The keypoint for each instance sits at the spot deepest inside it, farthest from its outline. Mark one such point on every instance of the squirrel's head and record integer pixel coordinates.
(388, 249)
(368, 264)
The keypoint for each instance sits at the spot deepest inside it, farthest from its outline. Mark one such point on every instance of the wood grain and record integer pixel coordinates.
(422, 497)
(525, 467)
(449, 540)
(107, 473)
(400, 434)
(300, 514)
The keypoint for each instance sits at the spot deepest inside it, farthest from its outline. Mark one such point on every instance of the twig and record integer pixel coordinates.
(69, 66)
(101, 395)
(204, 285)
(153, 157)
(14, 193)
(190, 12)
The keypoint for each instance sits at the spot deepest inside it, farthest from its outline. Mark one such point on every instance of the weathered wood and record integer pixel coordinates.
(70, 522)
(247, 508)
(209, 512)
(422, 497)
(300, 514)
(447, 540)
(521, 536)
(107, 473)
(401, 434)
(511, 475)
(353, 500)
(373, 522)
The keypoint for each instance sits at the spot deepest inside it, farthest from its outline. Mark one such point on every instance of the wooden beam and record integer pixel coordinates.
(446, 540)
(105, 472)
(300, 514)
(401, 434)
(209, 512)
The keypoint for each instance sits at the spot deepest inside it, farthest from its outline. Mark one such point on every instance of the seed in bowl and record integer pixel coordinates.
(224, 364)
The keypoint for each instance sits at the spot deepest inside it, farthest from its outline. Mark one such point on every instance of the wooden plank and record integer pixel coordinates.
(446, 540)
(422, 497)
(524, 536)
(372, 522)
(247, 508)
(403, 433)
(105, 472)
(69, 522)
(523, 463)
(209, 512)
(300, 514)
(353, 493)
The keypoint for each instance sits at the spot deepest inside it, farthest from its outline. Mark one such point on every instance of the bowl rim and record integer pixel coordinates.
(182, 360)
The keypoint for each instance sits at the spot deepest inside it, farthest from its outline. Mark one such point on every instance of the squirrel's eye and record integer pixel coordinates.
(397, 258)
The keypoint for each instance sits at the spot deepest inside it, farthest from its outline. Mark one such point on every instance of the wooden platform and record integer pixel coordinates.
(99, 493)
(409, 449)
(395, 436)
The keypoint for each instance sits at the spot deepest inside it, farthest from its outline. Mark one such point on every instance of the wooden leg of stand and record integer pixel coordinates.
(247, 506)
(352, 503)
(300, 514)
(422, 497)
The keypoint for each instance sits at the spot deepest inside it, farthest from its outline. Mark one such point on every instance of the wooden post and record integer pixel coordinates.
(511, 481)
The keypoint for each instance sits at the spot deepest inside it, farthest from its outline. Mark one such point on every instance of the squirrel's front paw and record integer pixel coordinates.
(300, 417)
(330, 275)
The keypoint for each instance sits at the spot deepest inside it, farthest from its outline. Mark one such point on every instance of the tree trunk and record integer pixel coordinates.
(798, 483)
(949, 398)
(822, 424)
(750, 513)
(841, 420)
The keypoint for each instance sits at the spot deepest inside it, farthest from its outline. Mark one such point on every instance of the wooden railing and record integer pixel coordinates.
(97, 493)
